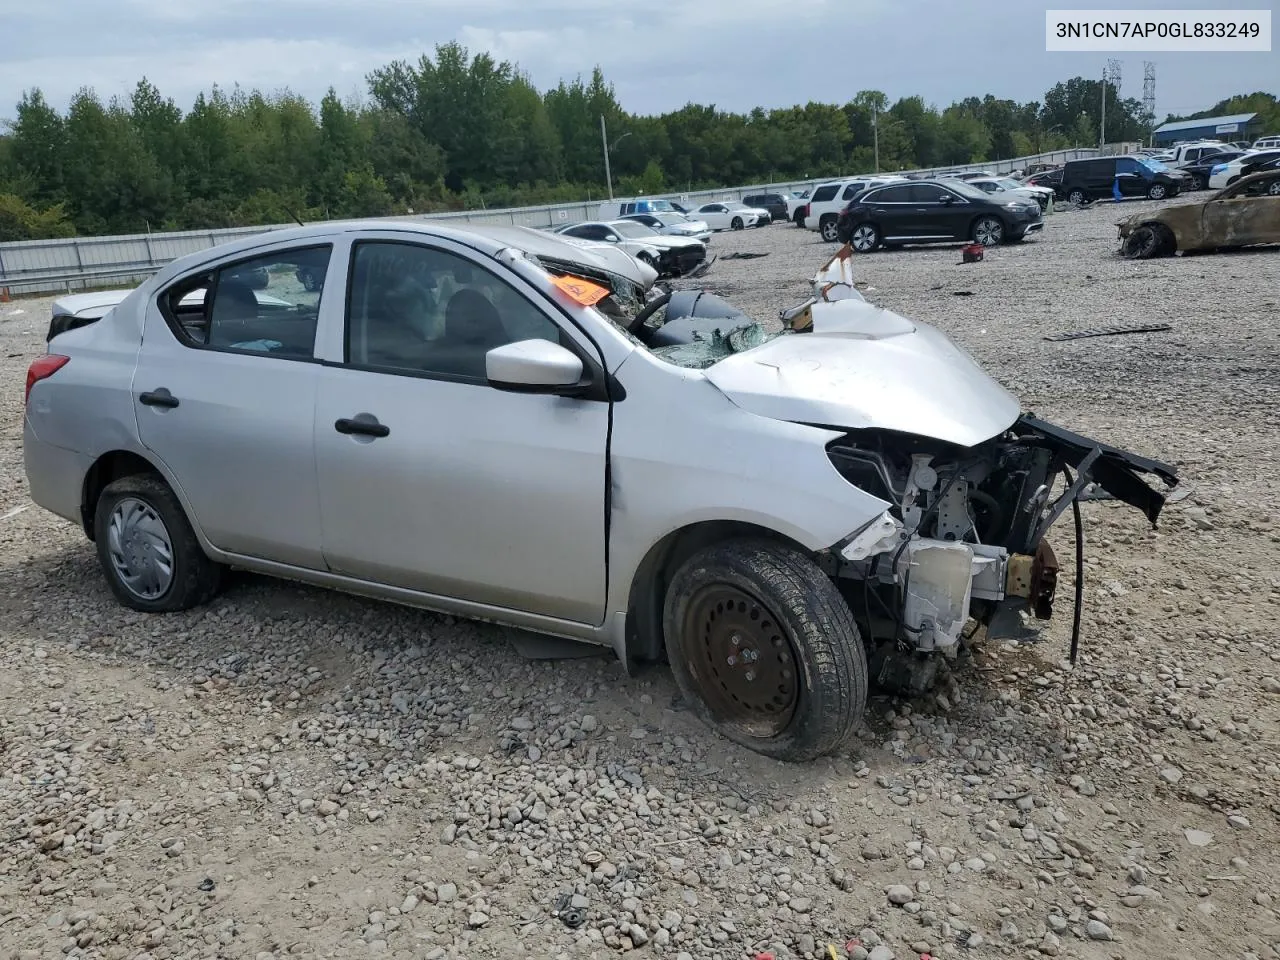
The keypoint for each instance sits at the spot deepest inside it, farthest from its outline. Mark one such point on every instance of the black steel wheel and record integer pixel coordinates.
(765, 648)
(1146, 242)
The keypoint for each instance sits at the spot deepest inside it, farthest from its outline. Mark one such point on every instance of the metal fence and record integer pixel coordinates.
(83, 263)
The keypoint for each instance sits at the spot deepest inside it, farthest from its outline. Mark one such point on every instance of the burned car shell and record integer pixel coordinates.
(1245, 213)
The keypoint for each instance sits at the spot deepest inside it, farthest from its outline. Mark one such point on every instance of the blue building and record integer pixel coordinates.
(1237, 126)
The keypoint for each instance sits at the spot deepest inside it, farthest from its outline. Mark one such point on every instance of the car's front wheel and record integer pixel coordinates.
(1078, 197)
(737, 223)
(799, 218)
(148, 550)
(1274, 189)
(766, 649)
(1156, 191)
(1148, 241)
(988, 231)
(865, 237)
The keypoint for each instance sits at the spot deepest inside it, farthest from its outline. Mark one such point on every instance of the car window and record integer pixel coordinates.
(418, 309)
(852, 190)
(897, 194)
(268, 304)
(822, 194)
(1127, 165)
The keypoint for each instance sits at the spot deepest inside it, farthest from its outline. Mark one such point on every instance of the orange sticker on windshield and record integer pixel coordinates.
(583, 291)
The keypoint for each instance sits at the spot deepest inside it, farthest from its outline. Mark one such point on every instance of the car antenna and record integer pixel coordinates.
(296, 218)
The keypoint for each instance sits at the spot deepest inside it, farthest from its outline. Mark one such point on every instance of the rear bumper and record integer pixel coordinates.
(55, 476)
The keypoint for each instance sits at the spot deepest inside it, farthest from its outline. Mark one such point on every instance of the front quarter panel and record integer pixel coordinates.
(682, 453)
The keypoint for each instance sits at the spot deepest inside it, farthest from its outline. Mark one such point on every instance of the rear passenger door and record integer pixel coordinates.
(893, 210)
(224, 395)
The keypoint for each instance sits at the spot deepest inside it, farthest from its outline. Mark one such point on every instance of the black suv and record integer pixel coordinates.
(1119, 178)
(929, 211)
(775, 203)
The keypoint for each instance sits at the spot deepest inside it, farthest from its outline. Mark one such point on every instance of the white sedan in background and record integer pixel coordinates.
(730, 215)
(1024, 191)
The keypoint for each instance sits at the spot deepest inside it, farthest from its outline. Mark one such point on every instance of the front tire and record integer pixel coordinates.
(1157, 191)
(988, 231)
(148, 550)
(1078, 197)
(798, 219)
(737, 223)
(766, 650)
(1147, 242)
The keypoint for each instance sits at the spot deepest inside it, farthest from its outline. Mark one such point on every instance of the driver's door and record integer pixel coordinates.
(432, 480)
(1237, 219)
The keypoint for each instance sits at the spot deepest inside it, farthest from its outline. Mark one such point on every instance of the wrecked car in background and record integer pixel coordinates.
(500, 424)
(1243, 214)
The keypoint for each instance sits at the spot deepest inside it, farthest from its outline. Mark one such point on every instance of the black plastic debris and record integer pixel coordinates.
(1110, 331)
(207, 885)
(742, 255)
(571, 916)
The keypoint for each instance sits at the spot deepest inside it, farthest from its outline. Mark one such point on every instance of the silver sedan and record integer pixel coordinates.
(505, 425)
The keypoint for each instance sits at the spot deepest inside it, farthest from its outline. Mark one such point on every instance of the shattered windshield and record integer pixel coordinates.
(632, 229)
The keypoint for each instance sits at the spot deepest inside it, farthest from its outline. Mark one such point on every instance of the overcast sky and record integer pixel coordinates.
(734, 53)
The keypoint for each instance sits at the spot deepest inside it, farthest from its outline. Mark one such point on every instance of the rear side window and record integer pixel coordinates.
(822, 194)
(891, 195)
(268, 304)
(852, 190)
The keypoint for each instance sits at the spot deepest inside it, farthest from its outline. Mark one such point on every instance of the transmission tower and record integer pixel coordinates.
(1149, 92)
(1110, 74)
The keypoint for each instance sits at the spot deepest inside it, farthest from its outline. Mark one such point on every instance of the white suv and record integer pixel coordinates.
(828, 199)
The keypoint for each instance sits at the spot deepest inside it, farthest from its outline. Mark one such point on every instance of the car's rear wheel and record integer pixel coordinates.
(766, 649)
(1157, 191)
(865, 237)
(1148, 241)
(829, 228)
(1274, 189)
(988, 231)
(799, 218)
(737, 223)
(1078, 196)
(148, 550)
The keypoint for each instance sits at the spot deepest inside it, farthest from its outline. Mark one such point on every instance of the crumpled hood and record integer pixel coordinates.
(862, 367)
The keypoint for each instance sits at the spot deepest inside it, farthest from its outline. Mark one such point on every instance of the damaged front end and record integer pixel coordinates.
(964, 544)
(966, 538)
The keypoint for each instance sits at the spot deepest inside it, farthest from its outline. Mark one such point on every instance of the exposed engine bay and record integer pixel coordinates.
(963, 542)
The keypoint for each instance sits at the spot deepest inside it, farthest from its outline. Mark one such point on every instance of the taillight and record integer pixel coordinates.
(805, 208)
(41, 369)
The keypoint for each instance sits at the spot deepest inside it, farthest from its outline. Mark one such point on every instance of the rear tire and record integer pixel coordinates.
(798, 219)
(765, 649)
(829, 228)
(148, 550)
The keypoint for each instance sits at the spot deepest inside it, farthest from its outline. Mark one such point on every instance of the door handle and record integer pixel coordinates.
(160, 397)
(364, 428)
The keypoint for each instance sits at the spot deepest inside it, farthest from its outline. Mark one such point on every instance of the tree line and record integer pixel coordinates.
(461, 131)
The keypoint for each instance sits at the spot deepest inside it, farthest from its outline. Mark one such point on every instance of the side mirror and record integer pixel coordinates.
(946, 199)
(533, 366)
(612, 238)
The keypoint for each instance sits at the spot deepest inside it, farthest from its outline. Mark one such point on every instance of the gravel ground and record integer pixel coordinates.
(290, 772)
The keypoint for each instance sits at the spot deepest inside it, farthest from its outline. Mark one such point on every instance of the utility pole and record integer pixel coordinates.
(604, 142)
(1110, 74)
(875, 134)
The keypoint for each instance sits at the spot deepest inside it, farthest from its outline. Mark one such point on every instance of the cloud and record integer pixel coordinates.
(734, 53)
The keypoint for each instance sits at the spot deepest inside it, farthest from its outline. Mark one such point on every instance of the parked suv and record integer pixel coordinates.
(775, 203)
(823, 209)
(1102, 177)
(931, 211)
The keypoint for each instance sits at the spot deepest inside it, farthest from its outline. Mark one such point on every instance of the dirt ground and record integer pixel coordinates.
(291, 772)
